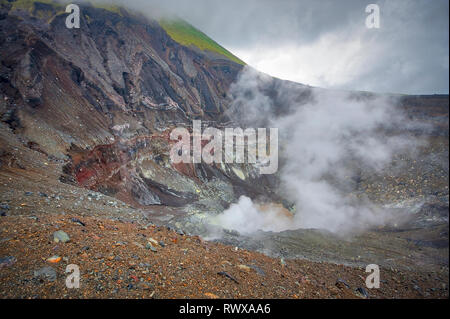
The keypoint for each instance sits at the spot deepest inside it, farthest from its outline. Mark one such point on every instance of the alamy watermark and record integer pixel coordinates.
(73, 279)
(226, 146)
(73, 19)
(373, 280)
(373, 19)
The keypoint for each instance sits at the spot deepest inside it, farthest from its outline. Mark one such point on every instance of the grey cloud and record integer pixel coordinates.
(408, 54)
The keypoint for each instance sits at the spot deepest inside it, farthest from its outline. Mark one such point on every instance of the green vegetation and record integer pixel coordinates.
(179, 30)
(108, 7)
(185, 34)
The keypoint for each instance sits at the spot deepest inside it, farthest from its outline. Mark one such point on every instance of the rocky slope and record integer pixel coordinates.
(103, 99)
(85, 116)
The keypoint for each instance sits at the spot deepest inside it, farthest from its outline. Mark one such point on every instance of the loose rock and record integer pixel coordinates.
(46, 273)
(341, 284)
(60, 236)
(244, 268)
(227, 275)
(7, 261)
(361, 292)
(77, 221)
(54, 259)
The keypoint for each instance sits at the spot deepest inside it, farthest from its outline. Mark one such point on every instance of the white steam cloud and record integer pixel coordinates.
(324, 141)
(247, 218)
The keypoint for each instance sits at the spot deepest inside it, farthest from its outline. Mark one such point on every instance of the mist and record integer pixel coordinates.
(325, 43)
(325, 142)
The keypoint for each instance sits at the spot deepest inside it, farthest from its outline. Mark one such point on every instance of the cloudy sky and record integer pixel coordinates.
(326, 42)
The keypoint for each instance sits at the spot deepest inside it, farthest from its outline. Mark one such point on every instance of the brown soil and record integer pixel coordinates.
(115, 263)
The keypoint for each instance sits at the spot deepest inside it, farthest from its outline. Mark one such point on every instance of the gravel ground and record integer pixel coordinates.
(120, 259)
(117, 257)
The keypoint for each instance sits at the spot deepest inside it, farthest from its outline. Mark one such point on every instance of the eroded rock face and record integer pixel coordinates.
(115, 70)
(103, 98)
(99, 103)
(139, 171)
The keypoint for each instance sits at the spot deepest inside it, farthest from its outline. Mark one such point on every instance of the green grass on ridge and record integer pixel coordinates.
(185, 34)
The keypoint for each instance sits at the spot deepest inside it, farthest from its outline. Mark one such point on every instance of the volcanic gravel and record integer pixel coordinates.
(123, 259)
